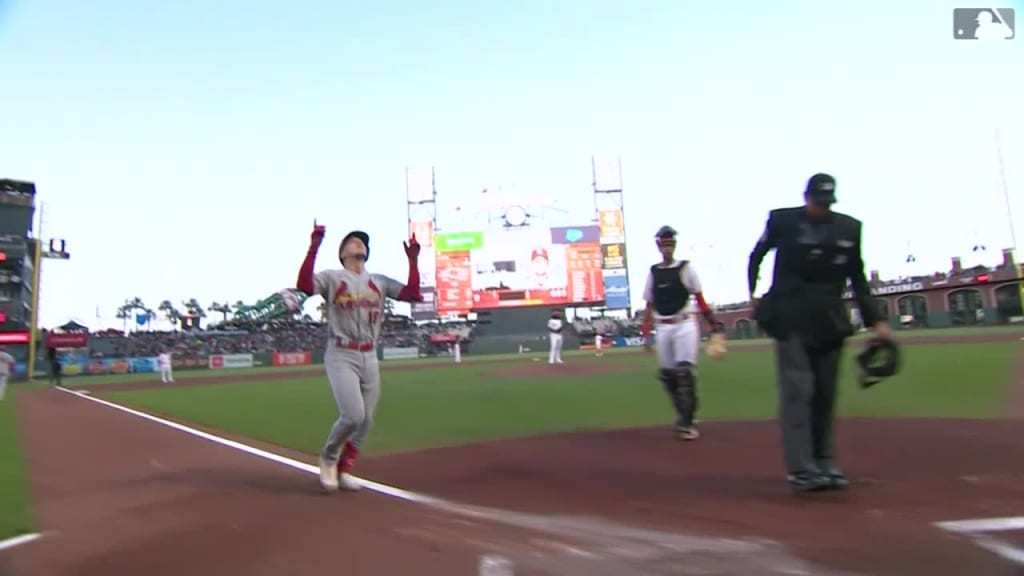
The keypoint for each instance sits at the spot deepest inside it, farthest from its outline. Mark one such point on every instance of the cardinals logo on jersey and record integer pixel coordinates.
(350, 300)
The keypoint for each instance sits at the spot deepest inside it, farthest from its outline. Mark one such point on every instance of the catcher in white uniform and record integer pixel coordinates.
(670, 285)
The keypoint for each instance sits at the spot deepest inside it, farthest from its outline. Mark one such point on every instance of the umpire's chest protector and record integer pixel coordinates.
(670, 294)
(812, 265)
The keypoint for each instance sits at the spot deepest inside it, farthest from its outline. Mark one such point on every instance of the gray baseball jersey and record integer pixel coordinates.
(355, 302)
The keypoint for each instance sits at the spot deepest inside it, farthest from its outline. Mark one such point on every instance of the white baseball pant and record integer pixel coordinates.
(679, 342)
(555, 356)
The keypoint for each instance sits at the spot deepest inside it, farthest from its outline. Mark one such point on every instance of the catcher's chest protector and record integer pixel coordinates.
(670, 294)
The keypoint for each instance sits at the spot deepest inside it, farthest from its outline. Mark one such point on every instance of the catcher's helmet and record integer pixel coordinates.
(879, 359)
(363, 236)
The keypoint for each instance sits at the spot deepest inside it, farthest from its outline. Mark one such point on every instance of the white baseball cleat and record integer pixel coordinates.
(328, 474)
(349, 484)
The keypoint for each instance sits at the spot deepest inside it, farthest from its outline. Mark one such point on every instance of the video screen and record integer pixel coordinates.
(519, 267)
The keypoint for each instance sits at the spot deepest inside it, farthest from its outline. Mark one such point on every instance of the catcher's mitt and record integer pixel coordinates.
(716, 347)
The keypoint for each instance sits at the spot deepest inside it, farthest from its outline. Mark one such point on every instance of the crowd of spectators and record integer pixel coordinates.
(608, 327)
(286, 336)
(302, 336)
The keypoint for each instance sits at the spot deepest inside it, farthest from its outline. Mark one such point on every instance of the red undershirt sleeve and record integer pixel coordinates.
(411, 291)
(305, 281)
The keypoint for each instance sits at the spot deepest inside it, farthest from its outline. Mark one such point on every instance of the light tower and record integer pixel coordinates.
(608, 208)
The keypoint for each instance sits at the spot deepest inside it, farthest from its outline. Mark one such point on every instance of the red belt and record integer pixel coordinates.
(674, 319)
(357, 346)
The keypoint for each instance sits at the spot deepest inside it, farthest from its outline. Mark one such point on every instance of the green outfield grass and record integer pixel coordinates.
(317, 371)
(449, 405)
(15, 516)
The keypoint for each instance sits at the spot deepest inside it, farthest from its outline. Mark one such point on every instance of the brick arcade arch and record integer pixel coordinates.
(1008, 303)
(884, 309)
(964, 306)
(745, 329)
(916, 307)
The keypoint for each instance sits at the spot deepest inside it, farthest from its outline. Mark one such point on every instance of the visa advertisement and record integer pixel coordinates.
(514, 267)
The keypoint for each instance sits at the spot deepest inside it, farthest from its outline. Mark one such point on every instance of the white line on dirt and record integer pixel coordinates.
(983, 524)
(18, 541)
(617, 549)
(979, 530)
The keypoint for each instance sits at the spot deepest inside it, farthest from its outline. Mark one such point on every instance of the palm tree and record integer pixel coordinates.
(322, 309)
(224, 309)
(195, 311)
(389, 307)
(170, 312)
(123, 313)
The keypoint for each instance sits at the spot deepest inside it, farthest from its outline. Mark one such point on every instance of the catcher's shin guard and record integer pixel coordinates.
(670, 380)
(686, 389)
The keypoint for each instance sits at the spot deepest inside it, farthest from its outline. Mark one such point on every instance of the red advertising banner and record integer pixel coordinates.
(291, 358)
(443, 338)
(14, 337)
(454, 281)
(67, 340)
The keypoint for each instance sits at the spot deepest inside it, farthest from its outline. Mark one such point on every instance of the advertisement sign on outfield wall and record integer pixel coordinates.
(630, 341)
(291, 358)
(109, 366)
(391, 353)
(143, 364)
(228, 361)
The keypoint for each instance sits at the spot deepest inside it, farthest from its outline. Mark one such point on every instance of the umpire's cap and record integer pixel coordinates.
(880, 359)
(363, 236)
(665, 232)
(821, 189)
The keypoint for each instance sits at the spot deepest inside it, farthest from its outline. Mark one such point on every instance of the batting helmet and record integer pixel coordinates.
(363, 236)
(879, 359)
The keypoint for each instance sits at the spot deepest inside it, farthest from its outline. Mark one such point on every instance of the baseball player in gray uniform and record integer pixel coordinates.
(354, 314)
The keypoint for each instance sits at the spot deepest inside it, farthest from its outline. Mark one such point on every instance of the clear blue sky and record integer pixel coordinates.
(183, 148)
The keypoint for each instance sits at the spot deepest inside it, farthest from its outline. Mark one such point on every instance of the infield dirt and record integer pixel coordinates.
(121, 495)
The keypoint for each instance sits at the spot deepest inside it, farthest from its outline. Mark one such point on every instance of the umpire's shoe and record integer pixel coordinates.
(836, 479)
(809, 482)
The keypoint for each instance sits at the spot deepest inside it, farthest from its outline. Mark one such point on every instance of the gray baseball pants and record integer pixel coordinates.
(355, 382)
(807, 378)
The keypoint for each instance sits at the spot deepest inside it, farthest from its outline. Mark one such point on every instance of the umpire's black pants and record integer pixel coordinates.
(807, 377)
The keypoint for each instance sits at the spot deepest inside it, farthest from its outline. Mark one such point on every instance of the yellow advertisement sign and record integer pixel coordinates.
(424, 232)
(611, 226)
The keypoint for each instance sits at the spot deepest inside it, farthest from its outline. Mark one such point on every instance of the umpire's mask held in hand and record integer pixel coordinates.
(880, 359)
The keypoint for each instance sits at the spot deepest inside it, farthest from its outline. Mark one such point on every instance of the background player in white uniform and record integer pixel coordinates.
(163, 362)
(355, 312)
(555, 327)
(671, 291)
(6, 366)
(598, 342)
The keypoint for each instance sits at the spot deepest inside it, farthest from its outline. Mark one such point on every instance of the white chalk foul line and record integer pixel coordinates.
(979, 530)
(983, 524)
(290, 462)
(18, 541)
(771, 558)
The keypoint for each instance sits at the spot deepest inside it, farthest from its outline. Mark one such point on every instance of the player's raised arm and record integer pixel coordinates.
(306, 281)
(411, 291)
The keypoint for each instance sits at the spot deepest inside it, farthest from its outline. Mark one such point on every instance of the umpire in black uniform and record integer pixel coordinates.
(817, 251)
